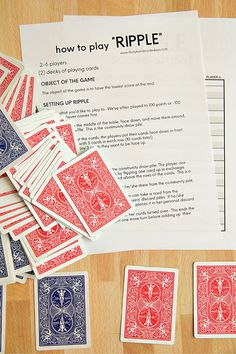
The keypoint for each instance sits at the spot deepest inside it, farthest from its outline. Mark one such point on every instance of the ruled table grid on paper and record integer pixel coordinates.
(215, 91)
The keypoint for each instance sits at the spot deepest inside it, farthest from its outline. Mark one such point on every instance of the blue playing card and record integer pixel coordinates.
(20, 260)
(7, 275)
(13, 146)
(2, 317)
(3, 263)
(61, 308)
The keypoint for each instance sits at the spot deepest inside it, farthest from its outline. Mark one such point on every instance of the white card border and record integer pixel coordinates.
(88, 344)
(94, 235)
(173, 323)
(195, 313)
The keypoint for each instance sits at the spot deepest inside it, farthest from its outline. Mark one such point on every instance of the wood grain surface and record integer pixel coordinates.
(106, 271)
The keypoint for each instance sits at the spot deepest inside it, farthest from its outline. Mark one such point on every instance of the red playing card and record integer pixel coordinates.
(16, 110)
(14, 68)
(52, 200)
(67, 133)
(24, 230)
(15, 223)
(8, 99)
(31, 92)
(93, 192)
(37, 136)
(65, 258)
(41, 243)
(149, 305)
(214, 299)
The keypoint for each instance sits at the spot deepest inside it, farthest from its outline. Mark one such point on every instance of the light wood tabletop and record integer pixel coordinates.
(106, 271)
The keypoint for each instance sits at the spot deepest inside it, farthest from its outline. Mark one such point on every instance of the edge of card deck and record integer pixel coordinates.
(207, 336)
(58, 347)
(123, 317)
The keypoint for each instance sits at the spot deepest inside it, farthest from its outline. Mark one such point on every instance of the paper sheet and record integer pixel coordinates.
(146, 107)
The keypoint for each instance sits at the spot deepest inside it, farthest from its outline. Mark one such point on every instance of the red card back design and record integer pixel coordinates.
(36, 138)
(53, 199)
(13, 71)
(42, 242)
(215, 291)
(66, 133)
(16, 112)
(29, 104)
(149, 308)
(63, 258)
(93, 191)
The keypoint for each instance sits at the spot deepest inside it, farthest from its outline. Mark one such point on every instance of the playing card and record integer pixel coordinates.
(14, 68)
(37, 171)
(7, 275)
(94, 194)
(7, 99)
(6, 187)
(12, 213)
(149, 305)
(36, 136)
(66, 257)
(22, 168)
(214, 299)
(29, 101)
(22, 174)
(35, 120)
(3, 73)
(11, 207)
(8, 224)
(20, 232)
(13, 146)
(44, 170)
(52, 200)
(20, 260)
(62, 312)
(66, 131)
(41, 244)
(2, 317)
(26, 218)
(15, 109)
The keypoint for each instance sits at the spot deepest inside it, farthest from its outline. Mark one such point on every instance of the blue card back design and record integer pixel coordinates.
(1, 315)
(19, 257)
(3, 264)
(62, 311)
(11, 144)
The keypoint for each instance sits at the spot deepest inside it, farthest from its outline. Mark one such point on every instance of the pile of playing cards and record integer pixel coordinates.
(53, 197)
(17, 88)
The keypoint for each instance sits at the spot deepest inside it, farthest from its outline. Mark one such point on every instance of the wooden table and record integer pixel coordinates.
(106, 271)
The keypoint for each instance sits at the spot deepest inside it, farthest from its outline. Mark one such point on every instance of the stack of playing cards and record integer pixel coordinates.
(17, 88)
(53, 197)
